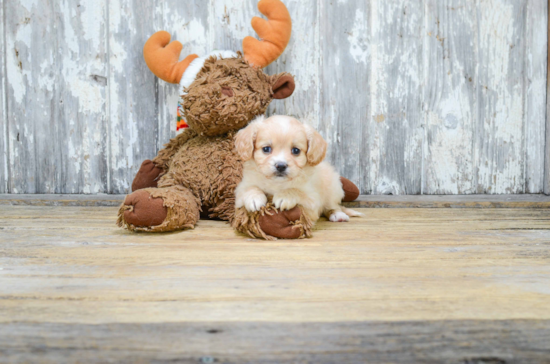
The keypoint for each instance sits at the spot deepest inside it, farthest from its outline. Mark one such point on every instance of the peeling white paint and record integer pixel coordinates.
(193, 36)
(92, 28)
(386, 186)
(535, 115)
(501, 160)
(74, 156)
(230, 23)
(4, 172)
(16, 47)
(450, 163)
(29, 4)
(358, 38)
(90, 97)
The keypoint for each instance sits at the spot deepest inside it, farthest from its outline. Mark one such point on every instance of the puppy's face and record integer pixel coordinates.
(281, 146)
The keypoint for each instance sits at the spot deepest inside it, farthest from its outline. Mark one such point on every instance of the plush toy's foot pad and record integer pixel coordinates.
(142, 210)
(147, 176)
(279, 223)
(269, 223)
(159, 209)
(351, 192)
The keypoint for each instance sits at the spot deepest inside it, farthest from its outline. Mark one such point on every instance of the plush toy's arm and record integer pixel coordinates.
(269, 223)
(162, 160)
(150, 171)
(351, 192)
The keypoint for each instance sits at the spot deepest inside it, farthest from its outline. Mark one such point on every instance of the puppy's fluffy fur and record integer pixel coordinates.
(283, 159)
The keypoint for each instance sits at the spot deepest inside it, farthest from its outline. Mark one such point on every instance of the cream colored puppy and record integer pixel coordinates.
(283, 159)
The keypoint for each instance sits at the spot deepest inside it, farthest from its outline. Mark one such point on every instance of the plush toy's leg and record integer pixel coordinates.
(159, 209)
(147, 176)
(269, 223)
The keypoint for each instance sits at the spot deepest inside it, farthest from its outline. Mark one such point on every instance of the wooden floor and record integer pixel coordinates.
(395, 286)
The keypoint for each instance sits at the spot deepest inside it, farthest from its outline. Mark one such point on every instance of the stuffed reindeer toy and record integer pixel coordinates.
(197, 171)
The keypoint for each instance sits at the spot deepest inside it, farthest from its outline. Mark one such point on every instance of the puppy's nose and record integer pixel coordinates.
(281, 166)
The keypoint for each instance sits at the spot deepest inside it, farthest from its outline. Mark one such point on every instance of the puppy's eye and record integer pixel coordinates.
(266, 149)
(295, 151)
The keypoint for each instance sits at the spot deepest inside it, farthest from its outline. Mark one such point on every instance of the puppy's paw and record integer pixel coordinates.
(254, 203)
(339, 216)
(285, 201)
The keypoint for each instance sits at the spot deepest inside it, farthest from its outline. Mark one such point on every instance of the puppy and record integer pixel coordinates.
(283, 159)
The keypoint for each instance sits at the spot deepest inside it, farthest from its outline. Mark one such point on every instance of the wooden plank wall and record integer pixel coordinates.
(414, 96)
(3, 117)
(547, 151)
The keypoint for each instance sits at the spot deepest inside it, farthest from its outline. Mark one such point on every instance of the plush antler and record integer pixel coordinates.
(162, 58)
(275, 34)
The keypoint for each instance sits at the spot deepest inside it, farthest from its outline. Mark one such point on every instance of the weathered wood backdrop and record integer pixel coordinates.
(414, 96)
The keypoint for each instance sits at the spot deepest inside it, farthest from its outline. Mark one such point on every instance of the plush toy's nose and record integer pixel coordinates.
(227, 91)
(281, 166)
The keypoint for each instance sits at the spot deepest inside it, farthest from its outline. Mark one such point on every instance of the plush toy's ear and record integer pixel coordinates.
(283, 86)
(316, 146)
(244, 141)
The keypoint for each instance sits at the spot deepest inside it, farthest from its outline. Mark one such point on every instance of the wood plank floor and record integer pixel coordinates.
(396, 285)
(364, 201)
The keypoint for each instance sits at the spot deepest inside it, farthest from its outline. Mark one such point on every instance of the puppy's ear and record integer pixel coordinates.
(316, 146)
(244, 141)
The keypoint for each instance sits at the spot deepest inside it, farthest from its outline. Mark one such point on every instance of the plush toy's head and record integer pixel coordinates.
(223, 91)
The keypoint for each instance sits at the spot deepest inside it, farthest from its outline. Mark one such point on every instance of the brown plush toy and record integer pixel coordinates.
(198, 170)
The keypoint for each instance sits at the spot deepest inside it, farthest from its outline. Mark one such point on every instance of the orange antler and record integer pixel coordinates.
(162, 59)
(275, 34)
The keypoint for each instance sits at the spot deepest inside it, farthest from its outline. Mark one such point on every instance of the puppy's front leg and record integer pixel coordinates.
(288, 199)
(253, 199)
